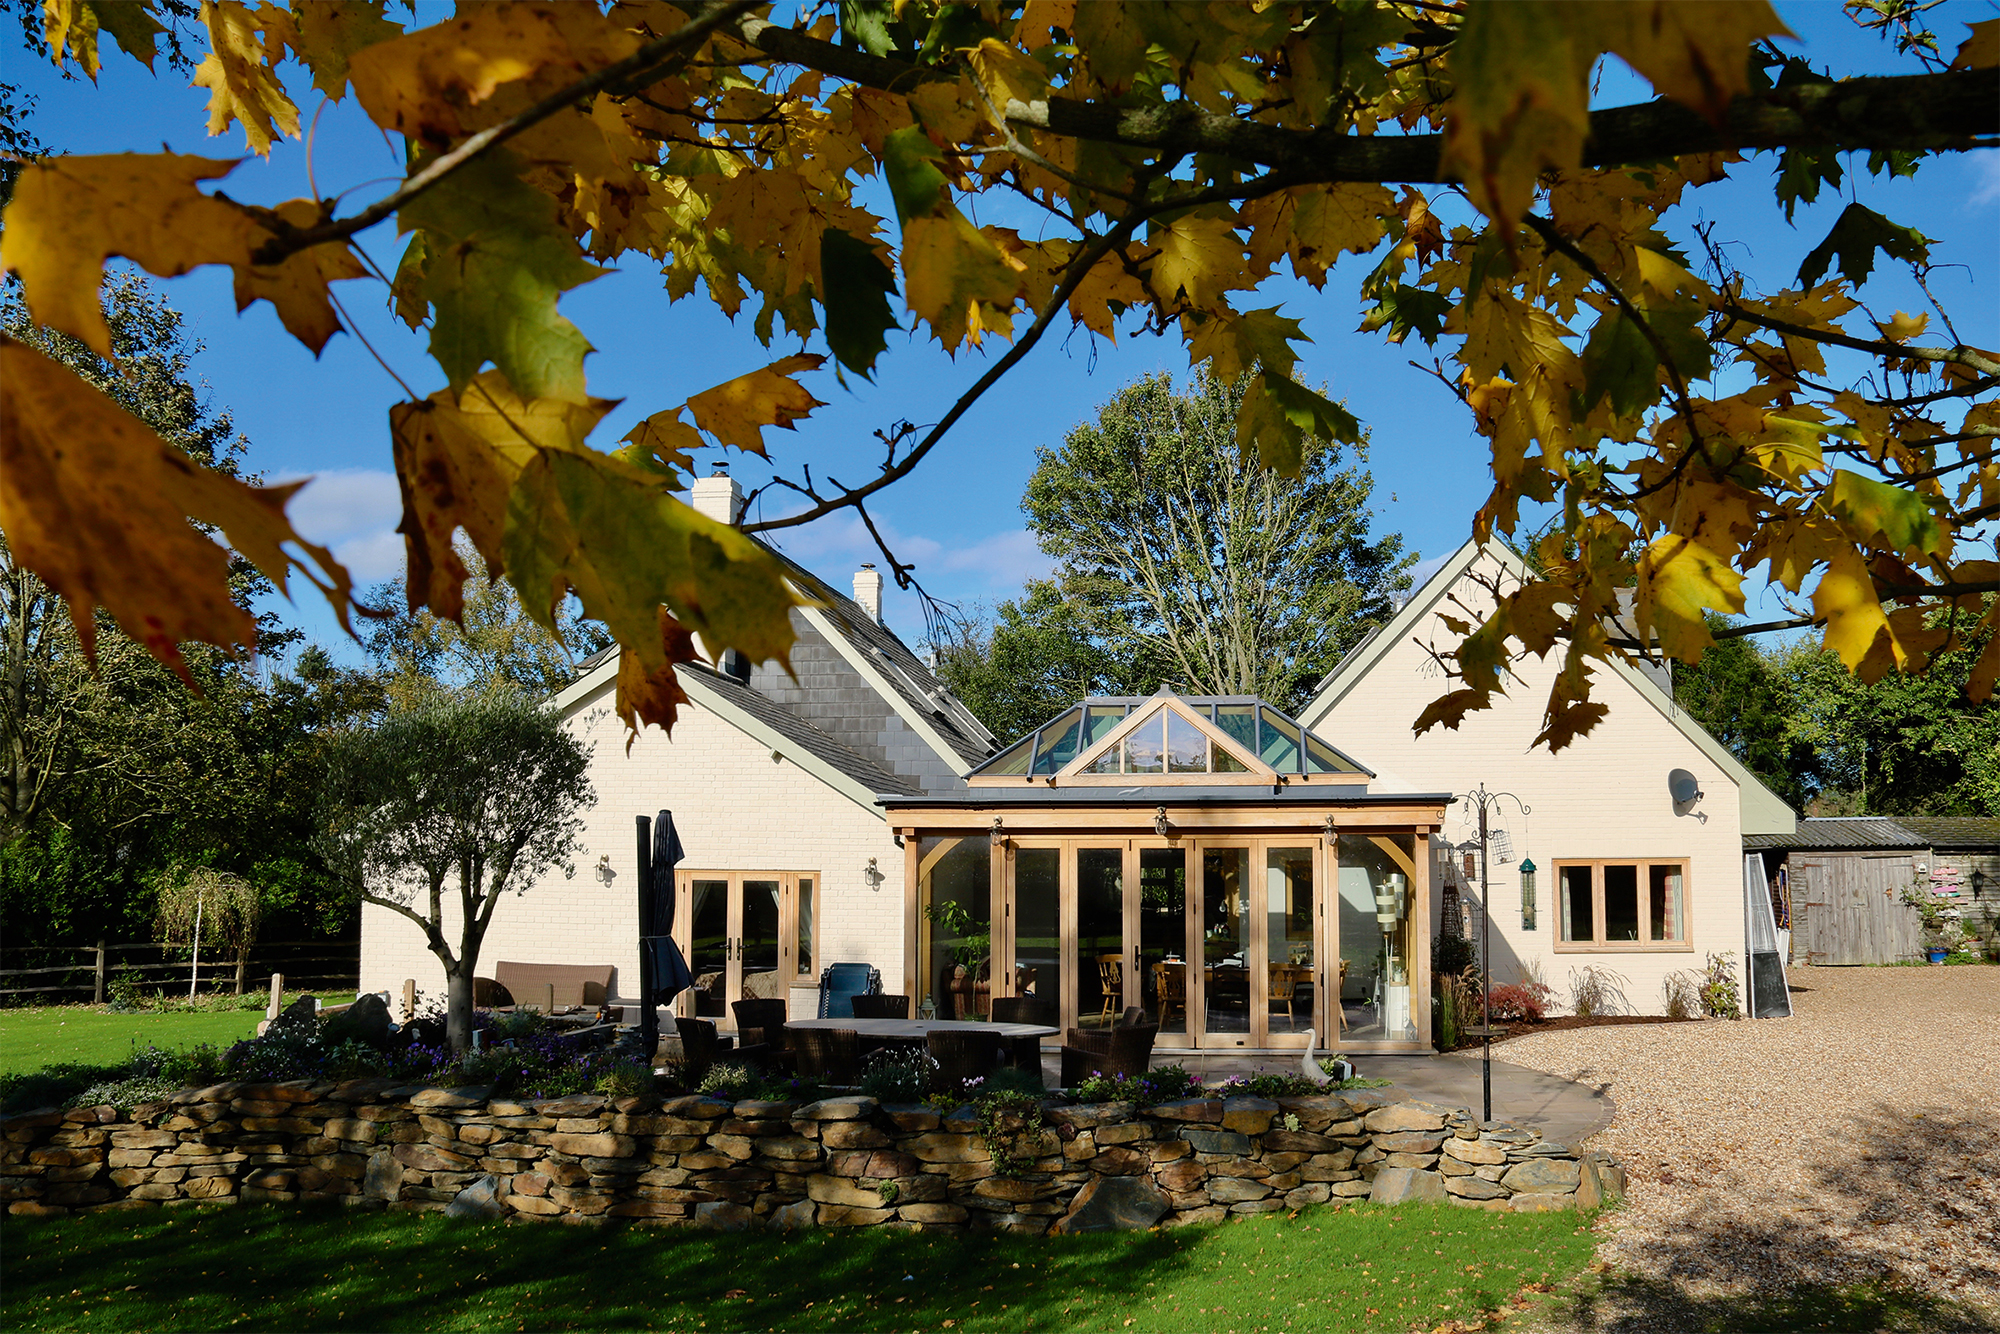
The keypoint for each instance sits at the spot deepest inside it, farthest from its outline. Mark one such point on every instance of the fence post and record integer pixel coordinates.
(277, 996)
(97, 980)
(409, 999)
(242, 970)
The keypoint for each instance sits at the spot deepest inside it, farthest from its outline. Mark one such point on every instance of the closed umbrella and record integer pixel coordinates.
(665, 973)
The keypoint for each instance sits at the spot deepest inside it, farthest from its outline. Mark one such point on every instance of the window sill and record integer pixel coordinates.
(1624, 947)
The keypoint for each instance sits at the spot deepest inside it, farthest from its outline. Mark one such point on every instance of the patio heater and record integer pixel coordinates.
(1486, 802)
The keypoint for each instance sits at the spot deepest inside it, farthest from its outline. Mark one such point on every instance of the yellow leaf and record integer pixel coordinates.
(70, 28)
(735, 411)
(949, 266)
(1694, 51)
(1039, 18)
(1233, 343)
(430, 84)
(1679, 579)
(1198, 260)
(99, 506)
(297, 286)
(69, 213)
(1980, 51)
(1903, 328)
(1333, 220)
(1110, 282)
(238, 71)
(558, 517)
(331, 31)
(663, 440)
(1520, 100)
(1845, 597)
(1007, 76)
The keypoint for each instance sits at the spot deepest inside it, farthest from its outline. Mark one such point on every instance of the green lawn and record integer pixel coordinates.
(294, 1268)
(34, 1036)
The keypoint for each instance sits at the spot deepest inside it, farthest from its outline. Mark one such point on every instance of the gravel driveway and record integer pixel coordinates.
(1857, 1141)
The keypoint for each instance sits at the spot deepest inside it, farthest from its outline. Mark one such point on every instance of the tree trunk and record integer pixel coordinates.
(458, 1009)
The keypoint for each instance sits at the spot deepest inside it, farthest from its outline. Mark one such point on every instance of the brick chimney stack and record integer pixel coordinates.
(868, 591)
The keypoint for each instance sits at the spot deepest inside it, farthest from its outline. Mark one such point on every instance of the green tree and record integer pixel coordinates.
(1222, 578)
(497, 646)
(1748, 698)
(1032, 659)
(481, 792)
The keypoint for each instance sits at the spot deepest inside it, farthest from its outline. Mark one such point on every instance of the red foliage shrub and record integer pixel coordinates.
(1527, 1001)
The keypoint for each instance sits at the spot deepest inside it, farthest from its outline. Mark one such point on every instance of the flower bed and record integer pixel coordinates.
(839, 1162)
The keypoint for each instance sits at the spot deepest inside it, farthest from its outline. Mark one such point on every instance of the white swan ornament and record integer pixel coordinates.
(1314, 1072)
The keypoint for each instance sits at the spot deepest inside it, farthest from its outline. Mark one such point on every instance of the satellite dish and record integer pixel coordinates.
(1685, 788)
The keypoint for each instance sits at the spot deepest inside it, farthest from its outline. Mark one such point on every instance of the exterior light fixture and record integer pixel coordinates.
(996, 834)
(871, 874)
(1331, 831)
(1160, 821)
(605, 875)
(1527, 893)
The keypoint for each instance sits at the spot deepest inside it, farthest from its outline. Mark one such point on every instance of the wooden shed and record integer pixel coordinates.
(1838, 883)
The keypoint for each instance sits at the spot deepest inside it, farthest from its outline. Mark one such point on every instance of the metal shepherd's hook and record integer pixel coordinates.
(1486, 801)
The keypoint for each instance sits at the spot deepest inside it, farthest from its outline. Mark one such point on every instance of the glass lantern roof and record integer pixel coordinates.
(1169, 744)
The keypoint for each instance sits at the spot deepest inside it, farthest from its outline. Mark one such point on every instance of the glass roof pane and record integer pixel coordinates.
(1058, 742)
(1107, 763)
(1225, 763)
(1103, 717)
(1321, 758)
(1280, 742)
(1239, 723)
(1187, 747)
(1014, 759)
(1144, 749)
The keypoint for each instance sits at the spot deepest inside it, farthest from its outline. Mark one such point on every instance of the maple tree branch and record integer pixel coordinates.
(1951, 111)
(289, 240)
(1682, 404)
(1960, 356)
(1762, 627)
(1949, 590)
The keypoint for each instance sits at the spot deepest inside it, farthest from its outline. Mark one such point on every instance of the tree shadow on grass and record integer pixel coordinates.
(1844, 1262)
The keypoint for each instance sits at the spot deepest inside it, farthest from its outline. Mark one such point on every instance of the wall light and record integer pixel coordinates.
(996, 834)
(605, 875)
(1160, 821)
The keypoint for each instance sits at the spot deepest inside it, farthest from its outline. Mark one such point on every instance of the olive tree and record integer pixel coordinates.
(480, 795)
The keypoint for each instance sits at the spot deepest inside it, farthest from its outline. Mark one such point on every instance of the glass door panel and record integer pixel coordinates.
(954, 935)
(708, 946)
(1376, 931)
(758, 937)
(1037, 921)
(1226, 944)
(1289, 914)
(1163, 941)
(1100, 936)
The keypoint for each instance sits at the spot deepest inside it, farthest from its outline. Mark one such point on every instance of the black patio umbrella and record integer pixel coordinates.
(666, 973)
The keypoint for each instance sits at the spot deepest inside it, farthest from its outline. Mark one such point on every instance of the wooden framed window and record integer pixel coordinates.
(1618, 904)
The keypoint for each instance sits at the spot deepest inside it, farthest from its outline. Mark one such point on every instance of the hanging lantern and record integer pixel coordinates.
(1528, 894)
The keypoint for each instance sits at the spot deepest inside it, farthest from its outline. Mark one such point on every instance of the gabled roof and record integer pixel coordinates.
(886, 662)
(1165, 739)
(1762, 810)
(771, 725)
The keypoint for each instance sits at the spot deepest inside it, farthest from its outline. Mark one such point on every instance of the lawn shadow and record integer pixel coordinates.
(1931, 1173)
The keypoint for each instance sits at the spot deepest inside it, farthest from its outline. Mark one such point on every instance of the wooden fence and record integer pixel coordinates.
(76, 971)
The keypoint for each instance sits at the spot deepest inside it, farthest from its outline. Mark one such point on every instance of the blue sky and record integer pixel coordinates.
(958, 516)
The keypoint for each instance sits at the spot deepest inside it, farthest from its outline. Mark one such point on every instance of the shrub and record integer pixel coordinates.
(1524, 1002)
(1718, 986)
(1450, 957)
(1007, 1079)
(1682, 993)
(126, 989)
(1164, 1084)
(1595, 991)
(897, 1073)
(1010, 1121)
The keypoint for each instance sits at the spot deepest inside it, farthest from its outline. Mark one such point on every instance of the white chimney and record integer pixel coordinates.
(718, 497)
(868, 592)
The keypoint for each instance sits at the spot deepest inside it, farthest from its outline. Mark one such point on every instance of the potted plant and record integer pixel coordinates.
(1939, 917)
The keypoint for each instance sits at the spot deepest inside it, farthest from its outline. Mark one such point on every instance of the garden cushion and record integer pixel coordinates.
(575, 983)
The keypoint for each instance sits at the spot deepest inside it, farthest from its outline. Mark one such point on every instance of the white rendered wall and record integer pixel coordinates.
(736, 809)
(1604, 796)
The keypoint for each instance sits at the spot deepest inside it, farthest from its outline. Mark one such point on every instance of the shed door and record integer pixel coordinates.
(1848, 908)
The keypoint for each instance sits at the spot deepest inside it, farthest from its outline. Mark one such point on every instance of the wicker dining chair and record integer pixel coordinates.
(881, 1007)
(700, 1046)
(760, 1026)
(1024, 1053)
(961, 1054)
(1170, 990)
(1108, 1051)
(829, 1054)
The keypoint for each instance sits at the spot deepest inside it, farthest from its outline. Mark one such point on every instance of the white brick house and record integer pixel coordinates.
(772, 778)
(1625, 879)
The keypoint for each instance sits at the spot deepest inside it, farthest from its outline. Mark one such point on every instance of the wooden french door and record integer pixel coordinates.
(1263, 928)
(743, 933)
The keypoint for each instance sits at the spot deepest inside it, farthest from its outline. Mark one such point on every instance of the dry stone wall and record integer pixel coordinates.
(840, 1162)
